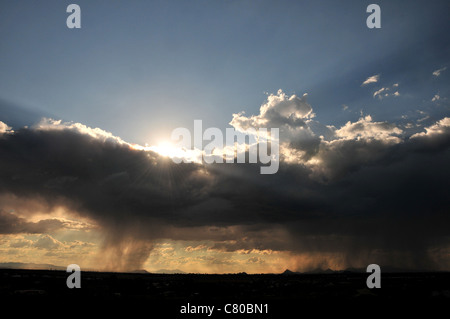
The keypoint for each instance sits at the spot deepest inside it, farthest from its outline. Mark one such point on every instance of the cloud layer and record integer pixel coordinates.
(365, 192)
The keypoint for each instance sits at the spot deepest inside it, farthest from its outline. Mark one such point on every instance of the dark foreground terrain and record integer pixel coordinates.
(163, 296)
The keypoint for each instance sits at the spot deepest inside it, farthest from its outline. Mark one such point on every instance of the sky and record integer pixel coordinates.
(363, 114)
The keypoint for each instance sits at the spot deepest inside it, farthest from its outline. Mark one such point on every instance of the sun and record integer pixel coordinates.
(171, 150)
(167, 149)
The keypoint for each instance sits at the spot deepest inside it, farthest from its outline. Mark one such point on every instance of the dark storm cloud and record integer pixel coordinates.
(104, 179)
(368, 193)
(12, 224)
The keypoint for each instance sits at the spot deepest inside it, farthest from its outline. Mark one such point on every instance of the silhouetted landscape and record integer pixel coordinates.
(282, 292)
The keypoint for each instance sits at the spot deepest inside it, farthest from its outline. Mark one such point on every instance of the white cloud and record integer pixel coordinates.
(438, 72)
(352, 146)
(291, 114)
(438, 128)
(384, 92)
(302, 138)
(371, 79)
(50, 124)
(379, 92)
(280, 109)
(365, 128)
(4, 128)
(435, 98)
(426, 117)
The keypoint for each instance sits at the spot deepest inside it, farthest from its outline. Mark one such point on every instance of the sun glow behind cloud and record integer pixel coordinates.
(170, 150)
(167, 149)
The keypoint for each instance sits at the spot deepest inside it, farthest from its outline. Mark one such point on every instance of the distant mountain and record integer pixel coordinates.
(385, 269)
(139, 271)
(321, 271)
(168, 271)
(355, 270)
(12, 265)
(33, 266)
(288, 272)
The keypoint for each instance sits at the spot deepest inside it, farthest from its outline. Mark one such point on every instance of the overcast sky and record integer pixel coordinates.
(363, 114)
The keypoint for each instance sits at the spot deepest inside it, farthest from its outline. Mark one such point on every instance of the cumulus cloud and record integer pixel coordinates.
(280, 110)
(365, 128)
(440, 128)
(362, 190)
(48, 242)
(4, 128)
(371, 79)
(47, 124)
(292, 115)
